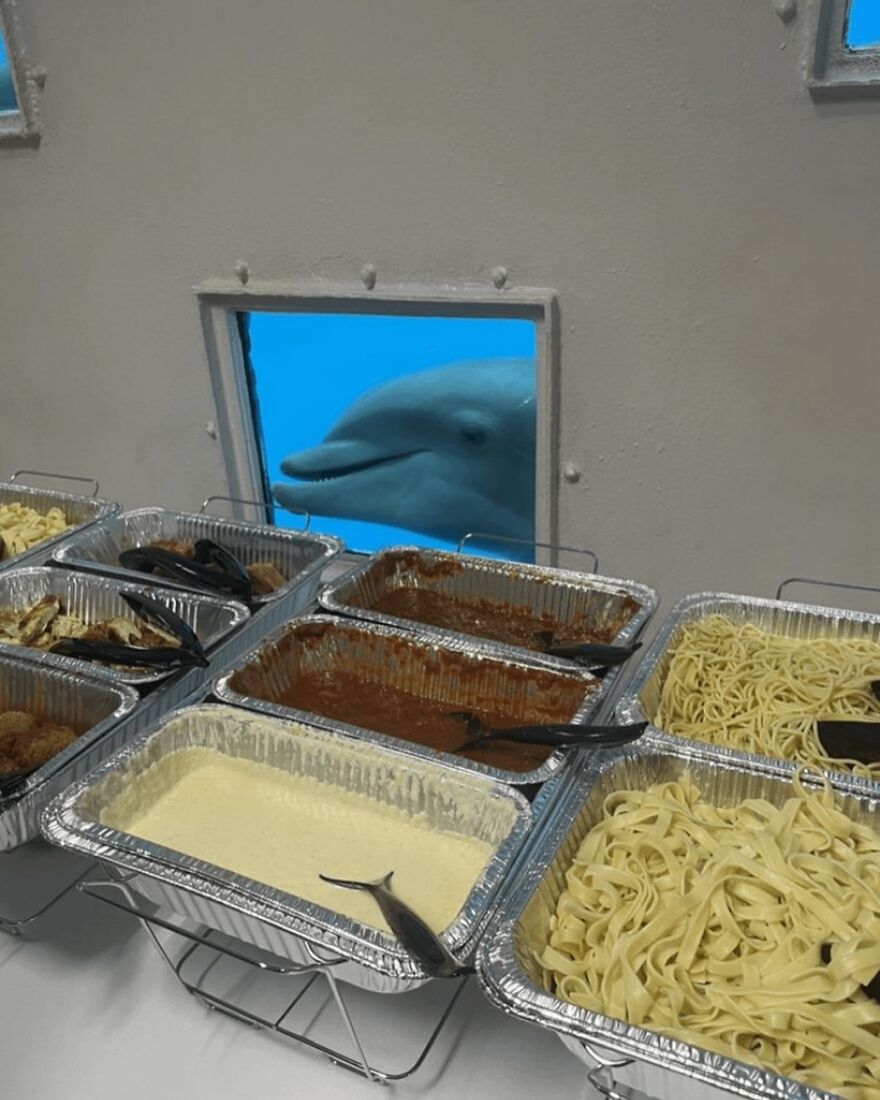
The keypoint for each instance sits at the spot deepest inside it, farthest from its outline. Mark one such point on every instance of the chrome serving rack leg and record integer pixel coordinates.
(202, 938)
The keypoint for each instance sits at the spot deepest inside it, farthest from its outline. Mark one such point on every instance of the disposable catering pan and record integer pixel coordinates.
(584, 605)
(79, 511)
(637, 1062)
(285, 925)
(298, 556)
(641, 695)
(93, 598)
(424, 669)
(87, 704)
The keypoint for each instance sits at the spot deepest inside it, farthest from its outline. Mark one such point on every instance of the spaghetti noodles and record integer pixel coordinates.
(736, 685)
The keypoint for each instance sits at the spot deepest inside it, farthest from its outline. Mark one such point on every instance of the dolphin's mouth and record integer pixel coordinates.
(330, 474)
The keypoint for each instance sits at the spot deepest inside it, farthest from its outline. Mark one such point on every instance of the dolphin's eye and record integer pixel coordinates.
(473, 435)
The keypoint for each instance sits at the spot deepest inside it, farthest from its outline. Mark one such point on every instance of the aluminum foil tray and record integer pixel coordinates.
(94, 598)
(85, 704)
(424, 667)
(300, 557)
(258, 914)
(511, 977)
(641, 696)
(617, 608)
(80, 512)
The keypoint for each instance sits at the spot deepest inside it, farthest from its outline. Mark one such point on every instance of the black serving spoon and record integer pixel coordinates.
(556, 734)
(409, 928)
(588, 653)
(852, 739)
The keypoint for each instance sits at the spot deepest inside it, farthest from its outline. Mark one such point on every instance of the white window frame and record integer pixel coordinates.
(24, 126)
(838, 70)
(219, 302)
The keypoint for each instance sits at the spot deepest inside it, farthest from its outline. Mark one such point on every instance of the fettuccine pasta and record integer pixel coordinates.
(707, 924)
(736, 685)
(22, 527)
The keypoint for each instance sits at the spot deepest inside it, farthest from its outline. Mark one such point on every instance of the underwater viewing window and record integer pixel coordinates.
(19, 107)
(389, 421)
(847, 57)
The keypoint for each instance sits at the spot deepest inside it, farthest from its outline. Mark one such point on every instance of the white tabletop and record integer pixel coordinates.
(89, 1011)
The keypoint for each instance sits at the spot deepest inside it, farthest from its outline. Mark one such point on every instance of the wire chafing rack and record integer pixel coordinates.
(223, 973)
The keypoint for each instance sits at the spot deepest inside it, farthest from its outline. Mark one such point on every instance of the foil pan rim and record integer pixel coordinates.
(126, 700)
(237, 612)
(332, 547)
(647, 597)
(63, 825)
(222, 689)
(510, 989)
(628, 707)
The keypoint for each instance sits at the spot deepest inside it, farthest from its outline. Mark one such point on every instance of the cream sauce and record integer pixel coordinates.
(283, 829)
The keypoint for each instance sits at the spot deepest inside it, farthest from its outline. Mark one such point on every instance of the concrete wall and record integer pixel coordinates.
(711, 231)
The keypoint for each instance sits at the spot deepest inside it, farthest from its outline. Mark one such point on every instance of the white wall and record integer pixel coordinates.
(711, 231)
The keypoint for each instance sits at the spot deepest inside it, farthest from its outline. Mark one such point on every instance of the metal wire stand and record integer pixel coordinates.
(200, 949)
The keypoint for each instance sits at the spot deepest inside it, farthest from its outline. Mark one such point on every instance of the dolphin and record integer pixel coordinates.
(440, 452)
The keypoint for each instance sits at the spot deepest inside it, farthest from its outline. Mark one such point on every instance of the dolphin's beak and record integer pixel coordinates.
(337, 458)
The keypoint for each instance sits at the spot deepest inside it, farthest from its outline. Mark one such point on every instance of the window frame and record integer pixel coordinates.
(24, 126)
(838, 70)
(220, 302)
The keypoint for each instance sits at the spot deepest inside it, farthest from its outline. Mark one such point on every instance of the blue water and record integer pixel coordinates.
(309, 367)
(8, 102)
(863, 29)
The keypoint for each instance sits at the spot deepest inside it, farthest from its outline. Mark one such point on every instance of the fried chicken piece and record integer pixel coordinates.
(39, 745)
(7, 765)
(124, 631)
(97, 632)
(265, 577)
(16, 721)
(38, 618)
(68, 626)
(153, 636)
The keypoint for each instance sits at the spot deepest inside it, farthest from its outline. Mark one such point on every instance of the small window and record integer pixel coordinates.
(863, 25)
(847, 59)
(19, 107)
(417, 421)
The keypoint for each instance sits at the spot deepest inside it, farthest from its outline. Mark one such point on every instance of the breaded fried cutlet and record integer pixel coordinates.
(37, 746)
(15, 721)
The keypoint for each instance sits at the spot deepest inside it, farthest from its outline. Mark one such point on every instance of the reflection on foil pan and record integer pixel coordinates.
(259, 914)
(511, 977)
(88, 705)
(593, 607)
(80, 513)
(455, 673)
(299, 556)
(93, 598)
(641, 695)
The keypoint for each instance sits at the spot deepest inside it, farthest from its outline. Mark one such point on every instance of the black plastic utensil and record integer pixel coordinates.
(589, 653)
(558, 734)
(207, 551)
(159, 614)
(409, 928)
(852, 738)
(166, 657)
(146, 559)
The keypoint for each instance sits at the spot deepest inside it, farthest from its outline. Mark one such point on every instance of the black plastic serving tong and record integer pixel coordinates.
(228, 575)
(557, 734)
(588, 653)
(409, 928)
(852, 739)
(191, 652)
